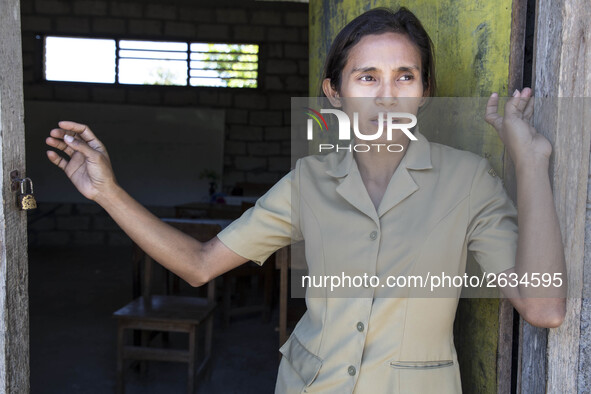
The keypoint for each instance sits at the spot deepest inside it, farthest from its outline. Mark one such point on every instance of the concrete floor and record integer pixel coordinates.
(73, 293)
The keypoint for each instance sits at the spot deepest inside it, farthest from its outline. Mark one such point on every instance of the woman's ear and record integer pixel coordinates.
(331, 93)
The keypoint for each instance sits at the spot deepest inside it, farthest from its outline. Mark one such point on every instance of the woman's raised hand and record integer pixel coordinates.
(522, 140)
(89, 167)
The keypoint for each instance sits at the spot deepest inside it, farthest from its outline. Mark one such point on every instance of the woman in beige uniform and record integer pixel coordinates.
(376, 213)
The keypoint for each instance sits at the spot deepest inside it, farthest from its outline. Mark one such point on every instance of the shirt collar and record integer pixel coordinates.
(417, 157)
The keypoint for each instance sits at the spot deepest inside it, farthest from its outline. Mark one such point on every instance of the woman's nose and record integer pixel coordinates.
(387, 95)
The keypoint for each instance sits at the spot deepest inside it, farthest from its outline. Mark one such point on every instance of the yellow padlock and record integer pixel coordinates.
(26, 201)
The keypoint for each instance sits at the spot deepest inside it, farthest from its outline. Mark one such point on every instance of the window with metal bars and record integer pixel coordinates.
(142, 62)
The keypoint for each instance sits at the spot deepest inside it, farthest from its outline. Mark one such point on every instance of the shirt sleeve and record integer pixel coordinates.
(267, 226)
(492, 232)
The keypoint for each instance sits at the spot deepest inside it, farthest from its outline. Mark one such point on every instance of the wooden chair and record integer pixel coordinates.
(248, 270)
(168, 313)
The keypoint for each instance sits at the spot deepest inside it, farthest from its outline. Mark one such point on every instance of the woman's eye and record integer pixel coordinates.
(367, 78)
(407, 77)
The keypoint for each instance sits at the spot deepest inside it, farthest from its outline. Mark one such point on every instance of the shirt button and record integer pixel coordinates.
(360, 327)
(351, 370)
(373, 235)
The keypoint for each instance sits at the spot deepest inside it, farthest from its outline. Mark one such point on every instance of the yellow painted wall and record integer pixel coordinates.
(472, 47)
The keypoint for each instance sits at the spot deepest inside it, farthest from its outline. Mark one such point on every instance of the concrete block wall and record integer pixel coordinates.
(257, 132)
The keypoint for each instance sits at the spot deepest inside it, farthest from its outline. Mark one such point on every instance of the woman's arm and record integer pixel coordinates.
(89, 169)
(539, 247)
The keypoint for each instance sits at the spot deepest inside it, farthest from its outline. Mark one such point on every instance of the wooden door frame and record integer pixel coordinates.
(14, 298)
(549, 358)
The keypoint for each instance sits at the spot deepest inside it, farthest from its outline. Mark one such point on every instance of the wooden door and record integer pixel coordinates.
(14, 309)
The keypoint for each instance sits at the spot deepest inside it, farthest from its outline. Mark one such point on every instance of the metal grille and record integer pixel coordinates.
(180, 63)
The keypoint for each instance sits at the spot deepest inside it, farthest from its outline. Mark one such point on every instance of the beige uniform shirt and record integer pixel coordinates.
(440, 203)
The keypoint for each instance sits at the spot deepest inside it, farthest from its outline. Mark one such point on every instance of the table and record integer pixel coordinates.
(208, 210)
(136, 260)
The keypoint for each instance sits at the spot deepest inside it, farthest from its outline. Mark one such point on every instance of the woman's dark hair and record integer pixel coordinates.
(378, 21)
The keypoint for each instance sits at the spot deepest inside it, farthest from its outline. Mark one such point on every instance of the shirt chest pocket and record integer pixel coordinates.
(305, 363)
(426, 377)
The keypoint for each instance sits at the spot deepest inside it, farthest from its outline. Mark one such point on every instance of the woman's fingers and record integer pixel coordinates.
(492, 115)
(81, 146)
(84, 132)
(59, 144)
(517, 104)
(529, 110)
(57, 159)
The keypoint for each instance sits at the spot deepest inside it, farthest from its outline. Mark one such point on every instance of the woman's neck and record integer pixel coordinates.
(376, 169)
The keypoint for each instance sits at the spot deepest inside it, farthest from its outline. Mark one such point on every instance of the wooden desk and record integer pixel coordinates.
(136, 260)
(203, 210)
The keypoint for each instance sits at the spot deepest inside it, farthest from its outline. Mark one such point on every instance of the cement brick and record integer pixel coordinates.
(261, 177)
(180, 97)
(108, 25)
(263, 148)
(249, 33)
(215, 98)
(84, 238)
(102, 223)
(143, 96)
(273, 82)
(231, 15)
(277, 134)
(250, 101)
(162, 212)
(304, 35)
(145, 27)
(296, 83)
(279, 163)
(64, 209)
(160, 11)
(303, 67)
(129, 10)
(248, 163)
(179, 29)
(196, 14)
(44, 224)
(67, 24)
(27, 7)
(266, 118)
(38, 92)
(215, 32)
(283, 34)
(109, 94)
(234, 148)
(245, 133)
(263, 17)
(281, 101)
(28, 60)
(71, 92)
(296, 19)
(274, 50)
(73, 223)
(279, 66)
(90, 7)
(28, 76)
(118, 239)
(53, 238)
(233, 177)
(89, 209)
(35, 23)
(29, 43)
(296, 51)
(236, 116)
(52, 7)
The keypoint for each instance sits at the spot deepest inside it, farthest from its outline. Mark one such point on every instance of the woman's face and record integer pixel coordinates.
(382, 74)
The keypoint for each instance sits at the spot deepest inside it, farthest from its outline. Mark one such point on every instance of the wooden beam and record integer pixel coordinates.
(14, 310)
(562, 70)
